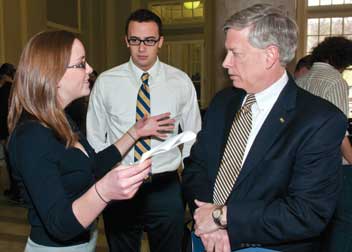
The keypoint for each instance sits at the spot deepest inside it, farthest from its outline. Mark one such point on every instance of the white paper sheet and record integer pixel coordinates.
(169, 144)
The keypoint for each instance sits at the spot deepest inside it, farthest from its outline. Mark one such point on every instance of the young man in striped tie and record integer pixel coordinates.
(142, 87)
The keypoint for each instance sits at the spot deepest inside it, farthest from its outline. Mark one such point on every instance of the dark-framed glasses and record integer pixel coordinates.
(137, 41)
(81, 65)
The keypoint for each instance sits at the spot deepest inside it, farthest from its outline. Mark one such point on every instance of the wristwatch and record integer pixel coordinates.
(217, 215)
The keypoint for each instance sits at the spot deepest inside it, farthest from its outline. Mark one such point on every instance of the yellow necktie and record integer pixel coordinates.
(142, 110)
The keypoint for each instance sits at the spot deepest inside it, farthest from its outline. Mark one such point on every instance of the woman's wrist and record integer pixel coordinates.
(131, 136)
(100, 193)
(133, 133)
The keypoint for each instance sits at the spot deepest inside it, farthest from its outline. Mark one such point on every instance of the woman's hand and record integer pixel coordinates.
(157, 126)
(123, 181)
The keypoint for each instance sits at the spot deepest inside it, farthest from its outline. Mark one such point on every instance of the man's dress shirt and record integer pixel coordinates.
(112, 108)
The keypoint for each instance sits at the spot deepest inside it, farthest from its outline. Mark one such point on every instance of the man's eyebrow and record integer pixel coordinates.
(233, 49)
(149, 37)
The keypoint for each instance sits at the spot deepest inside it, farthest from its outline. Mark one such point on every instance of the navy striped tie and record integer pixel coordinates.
(142, 110)
(231, 163)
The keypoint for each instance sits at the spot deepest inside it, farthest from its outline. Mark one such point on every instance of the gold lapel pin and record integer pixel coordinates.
(282, 120)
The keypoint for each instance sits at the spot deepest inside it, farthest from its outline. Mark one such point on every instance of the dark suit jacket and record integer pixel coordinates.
(289, 183)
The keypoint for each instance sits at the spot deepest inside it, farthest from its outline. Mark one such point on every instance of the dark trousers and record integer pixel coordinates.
(13, 188)
(157, 209)
(338, 236)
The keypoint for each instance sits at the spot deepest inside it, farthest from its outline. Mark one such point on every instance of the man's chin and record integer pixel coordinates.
(236, 84)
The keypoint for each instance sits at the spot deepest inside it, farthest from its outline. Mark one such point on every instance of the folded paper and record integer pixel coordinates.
(169, 144)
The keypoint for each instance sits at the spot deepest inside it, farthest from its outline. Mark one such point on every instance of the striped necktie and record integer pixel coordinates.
(231, 162)
(142, 110)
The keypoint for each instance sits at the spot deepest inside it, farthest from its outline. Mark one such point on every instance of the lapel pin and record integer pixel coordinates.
(282, 120)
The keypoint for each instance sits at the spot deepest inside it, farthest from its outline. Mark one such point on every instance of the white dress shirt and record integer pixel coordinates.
(265, 101)
(112, 108)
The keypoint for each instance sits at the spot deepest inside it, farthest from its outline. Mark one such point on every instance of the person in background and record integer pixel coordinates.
(7, 73)
(77, 110)
(92, 78)
(302, 67)
(64, 182)
(264, 173)
(330, 58)
(144, 86)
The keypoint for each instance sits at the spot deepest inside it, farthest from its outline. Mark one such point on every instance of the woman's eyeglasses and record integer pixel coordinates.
(81, 65)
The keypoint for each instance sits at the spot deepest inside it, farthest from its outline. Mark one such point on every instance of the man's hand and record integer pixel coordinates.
(203, 218)
(217, 241)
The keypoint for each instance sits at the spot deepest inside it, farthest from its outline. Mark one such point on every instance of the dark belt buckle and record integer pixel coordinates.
(148, 179)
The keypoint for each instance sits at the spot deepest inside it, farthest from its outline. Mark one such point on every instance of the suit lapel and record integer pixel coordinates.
(231, 109)
(277, 120)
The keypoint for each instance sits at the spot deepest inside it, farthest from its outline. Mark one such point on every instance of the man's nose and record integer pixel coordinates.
(141, 46)
(227, 61)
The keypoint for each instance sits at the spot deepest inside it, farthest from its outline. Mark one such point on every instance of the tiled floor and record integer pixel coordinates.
(14, 226)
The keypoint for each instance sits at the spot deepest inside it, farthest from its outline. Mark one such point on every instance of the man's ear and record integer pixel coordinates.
(272, 55)
(128, 45)
(160, 42)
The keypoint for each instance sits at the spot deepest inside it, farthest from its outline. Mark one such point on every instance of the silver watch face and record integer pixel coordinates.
(216, 213)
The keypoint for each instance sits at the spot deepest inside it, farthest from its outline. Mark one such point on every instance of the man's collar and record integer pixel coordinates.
(270, 94)
(153, 71)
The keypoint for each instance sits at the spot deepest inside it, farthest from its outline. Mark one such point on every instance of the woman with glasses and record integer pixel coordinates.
(64, 182)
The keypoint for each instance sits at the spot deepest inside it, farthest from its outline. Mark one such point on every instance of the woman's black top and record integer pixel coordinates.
(51, 177)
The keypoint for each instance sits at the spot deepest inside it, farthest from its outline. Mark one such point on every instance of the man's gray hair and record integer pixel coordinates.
(268, 26)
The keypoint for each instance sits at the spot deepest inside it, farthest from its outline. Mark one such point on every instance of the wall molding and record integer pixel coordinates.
(78, 29)
(2, 36)
(23, 22)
